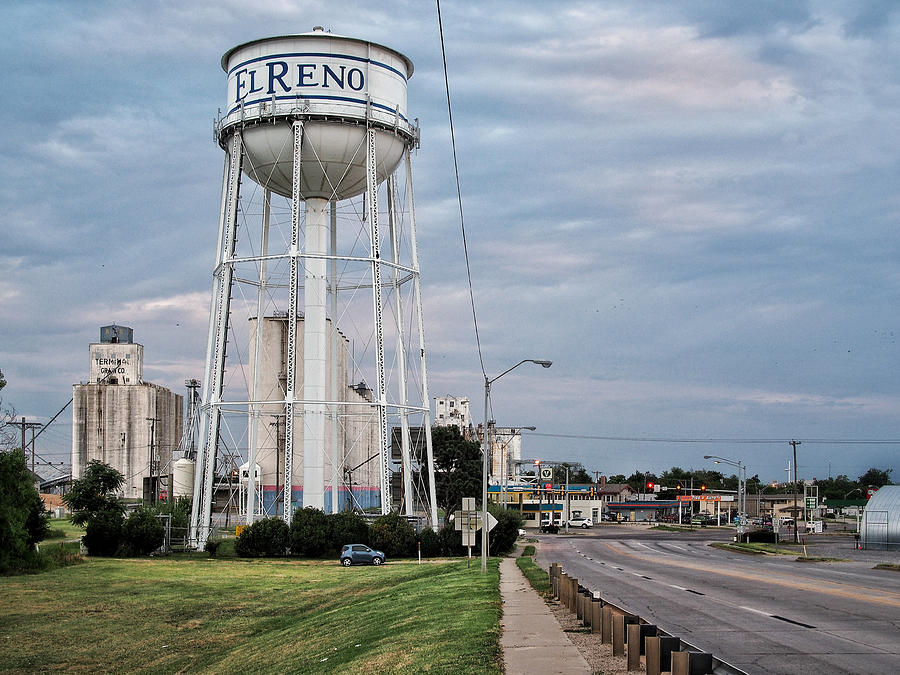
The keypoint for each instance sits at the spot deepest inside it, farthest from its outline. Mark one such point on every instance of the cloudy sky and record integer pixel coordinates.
(690, 207)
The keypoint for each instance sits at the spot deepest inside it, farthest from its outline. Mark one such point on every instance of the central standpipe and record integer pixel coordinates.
(315, 366)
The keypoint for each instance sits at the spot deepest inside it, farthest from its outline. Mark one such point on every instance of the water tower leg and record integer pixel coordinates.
(380, 386)
(201, 515)
(426, 401)
(409, 505)
(294, 290)
(334, 362)
(255, 408)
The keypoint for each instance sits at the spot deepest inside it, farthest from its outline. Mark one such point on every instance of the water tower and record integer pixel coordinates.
(316, 350)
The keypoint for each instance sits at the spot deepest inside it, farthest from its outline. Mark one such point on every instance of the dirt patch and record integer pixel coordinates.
(598, 655)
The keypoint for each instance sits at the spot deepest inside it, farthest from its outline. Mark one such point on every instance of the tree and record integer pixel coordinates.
(94, 504)
(8, 435)
(506, 531)
(577, 474)
(394, 535)
(23, 519)
(347, 527)
(457, 468)
(265, 538)
(875, 478)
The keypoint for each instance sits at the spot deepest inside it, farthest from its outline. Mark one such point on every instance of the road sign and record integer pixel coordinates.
(546, 473)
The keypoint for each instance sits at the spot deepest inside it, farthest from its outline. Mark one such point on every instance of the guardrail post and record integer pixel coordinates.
(647, 630)
(596, 607)
(561, 587)
(606, 624)
(652, 663)
(618, 634)
(634, 646)
(573, 594)
(681, 663)
(586, 602)
(579, 603)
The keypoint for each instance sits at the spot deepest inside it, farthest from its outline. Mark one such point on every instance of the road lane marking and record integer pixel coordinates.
(810, 584)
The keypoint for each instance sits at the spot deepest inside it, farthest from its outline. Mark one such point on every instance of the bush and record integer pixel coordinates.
(347, 527)
(393, 535)
(103, 533)
(212, 545)
(142, 533)
(431, 543)
(264, 538)
(506, 531)
(310, 532)
(451, 541)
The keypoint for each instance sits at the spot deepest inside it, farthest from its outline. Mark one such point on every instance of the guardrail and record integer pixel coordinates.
(631, 636)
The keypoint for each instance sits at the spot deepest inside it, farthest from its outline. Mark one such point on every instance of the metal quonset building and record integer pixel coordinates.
(121, 420)
(880, 526)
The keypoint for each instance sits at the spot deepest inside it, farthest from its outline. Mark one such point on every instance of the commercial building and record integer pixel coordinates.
(117, 418)
(453, 411)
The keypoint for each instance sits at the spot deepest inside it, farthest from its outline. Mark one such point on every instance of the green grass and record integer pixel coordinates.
(536, 576)
(758, 548)
(62, 528)
(212, 615)
(528, 550)
(804, 558)
(887, 566)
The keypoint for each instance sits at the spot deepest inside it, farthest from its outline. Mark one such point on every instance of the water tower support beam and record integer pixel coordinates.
(409, 506)
(417, 293)
(201, 513)
(380, 393)
(252, 485)
(336, 452)
(290, 383)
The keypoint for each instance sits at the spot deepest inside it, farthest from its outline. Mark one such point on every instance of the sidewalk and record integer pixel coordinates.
(532, 640)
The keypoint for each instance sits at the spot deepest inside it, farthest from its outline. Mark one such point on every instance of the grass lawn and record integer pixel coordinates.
(62, 528)
(213, 615)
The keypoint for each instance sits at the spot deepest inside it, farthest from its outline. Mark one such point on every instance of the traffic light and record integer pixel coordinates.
(649, 484)
(702, 488)
(678, 487)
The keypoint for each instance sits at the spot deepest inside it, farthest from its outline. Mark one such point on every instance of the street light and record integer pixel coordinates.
(484, 451)
(742, 483)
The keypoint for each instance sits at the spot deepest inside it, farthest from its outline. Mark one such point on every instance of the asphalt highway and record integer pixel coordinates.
(762, 614)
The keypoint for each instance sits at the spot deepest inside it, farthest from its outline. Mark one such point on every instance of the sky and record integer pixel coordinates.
(689, 207)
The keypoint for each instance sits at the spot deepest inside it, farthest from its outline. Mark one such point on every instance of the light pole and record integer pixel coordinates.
(742, 483)
(484, 450)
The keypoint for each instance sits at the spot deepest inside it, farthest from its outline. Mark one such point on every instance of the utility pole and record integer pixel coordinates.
(794, 445)
(154, 463)
(28, 425)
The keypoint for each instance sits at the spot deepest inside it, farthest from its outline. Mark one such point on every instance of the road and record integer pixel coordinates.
(762, 614)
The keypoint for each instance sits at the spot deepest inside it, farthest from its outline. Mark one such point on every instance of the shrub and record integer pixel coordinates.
(505, 532)
(264, 538)
(310, 532)
(212, 545)
(103, 533)
(431, 543)
(393, 535)
(142, 533)
(451, 541)
(347, 527)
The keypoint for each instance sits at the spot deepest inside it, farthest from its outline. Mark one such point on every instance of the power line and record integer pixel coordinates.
(737, 441)
(462, 222)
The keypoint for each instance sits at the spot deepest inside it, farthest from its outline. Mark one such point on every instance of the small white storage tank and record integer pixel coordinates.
(183, 478)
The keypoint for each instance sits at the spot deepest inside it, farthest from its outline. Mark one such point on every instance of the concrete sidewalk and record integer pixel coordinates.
(532, 640)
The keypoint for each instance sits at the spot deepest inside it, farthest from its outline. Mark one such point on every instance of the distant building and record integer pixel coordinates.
(452, 411)
(119, 419)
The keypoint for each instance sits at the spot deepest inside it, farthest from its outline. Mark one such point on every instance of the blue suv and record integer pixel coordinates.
(360, 554)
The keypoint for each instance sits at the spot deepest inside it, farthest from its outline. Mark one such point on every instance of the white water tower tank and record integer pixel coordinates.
(339, 86)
